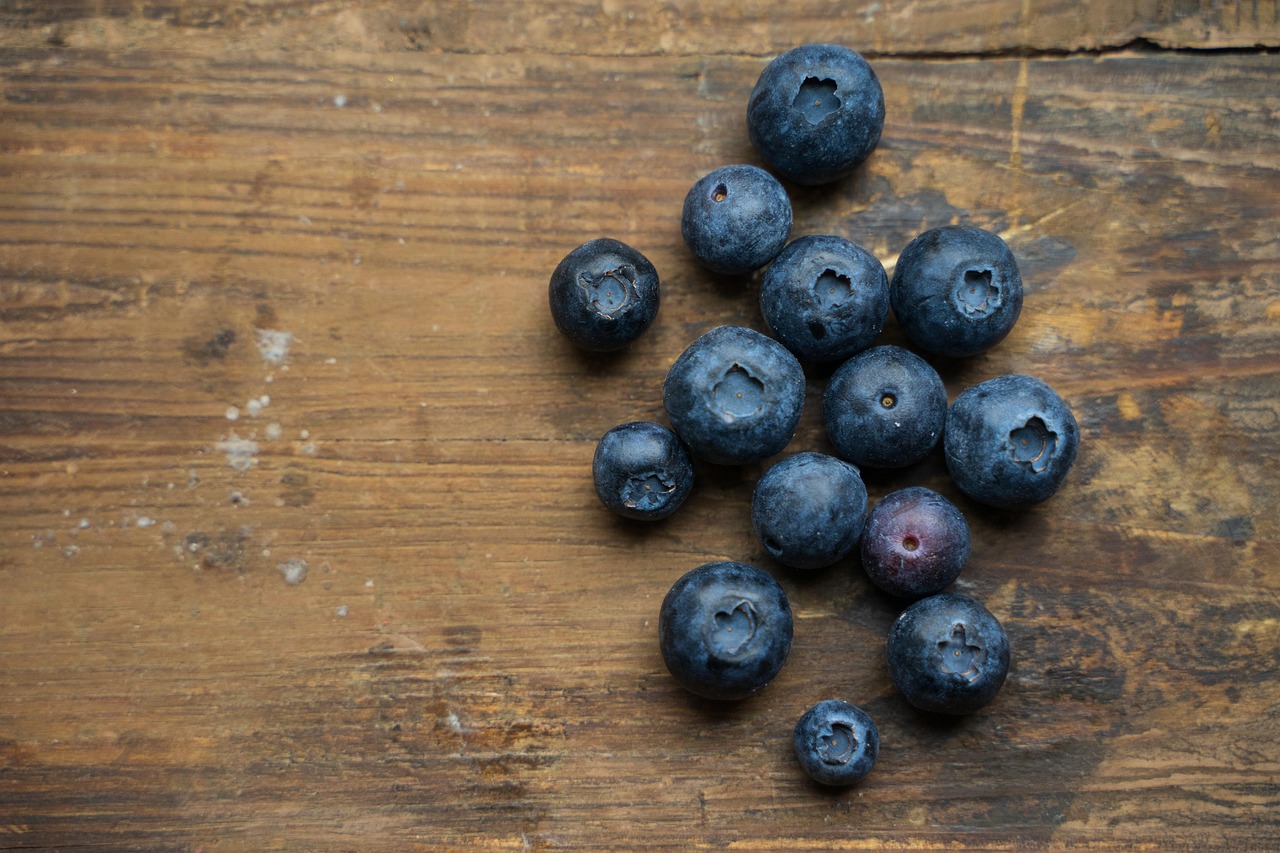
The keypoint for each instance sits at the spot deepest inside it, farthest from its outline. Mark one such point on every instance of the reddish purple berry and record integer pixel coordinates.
(915, 543)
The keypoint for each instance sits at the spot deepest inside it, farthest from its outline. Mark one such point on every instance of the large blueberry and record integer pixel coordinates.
(1010, 441)
(642, 471)
(734, 396)
(603, 295)
(808, 510)
(948, 654)
(956, 290)
(825, 298)
(736, 219)
(725, 630)
(884, 408)
(836, 743)
(915, 543)
(816, 112)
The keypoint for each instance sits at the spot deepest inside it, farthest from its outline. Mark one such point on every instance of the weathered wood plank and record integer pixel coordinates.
(632, 27)
(471, 658)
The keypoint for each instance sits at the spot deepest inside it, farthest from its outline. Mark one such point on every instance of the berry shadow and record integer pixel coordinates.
(820, 371)
(893, 335)
(1006, 521)
(596, 364)
(731, 477)
(871, 608)
(816, 208)
(941, 725)
(724, 711)
(632, 532)
(828, 792)
(742, 290)
(956, 373)
(807, 579)
(890, 605)
(893, 479)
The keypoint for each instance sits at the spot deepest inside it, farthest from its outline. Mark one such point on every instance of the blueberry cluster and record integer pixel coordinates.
(735, 395)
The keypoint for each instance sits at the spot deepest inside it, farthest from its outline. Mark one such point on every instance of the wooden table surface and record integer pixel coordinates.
(300, 549)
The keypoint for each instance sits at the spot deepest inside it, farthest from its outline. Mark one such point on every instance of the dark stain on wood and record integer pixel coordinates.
(214, 348)
(222, 549)
(297, 489)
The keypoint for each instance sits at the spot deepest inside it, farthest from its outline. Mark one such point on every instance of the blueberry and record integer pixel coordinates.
(734, 396)
(808, 510)
(725, 630)
(642, 471)
(736, 219)
(948, 654)
(1010, 441)
(603, 295)
(816, 112)
(884, 408)
(836, 743)
(825, 298)
(915, 543)
(956, 290)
